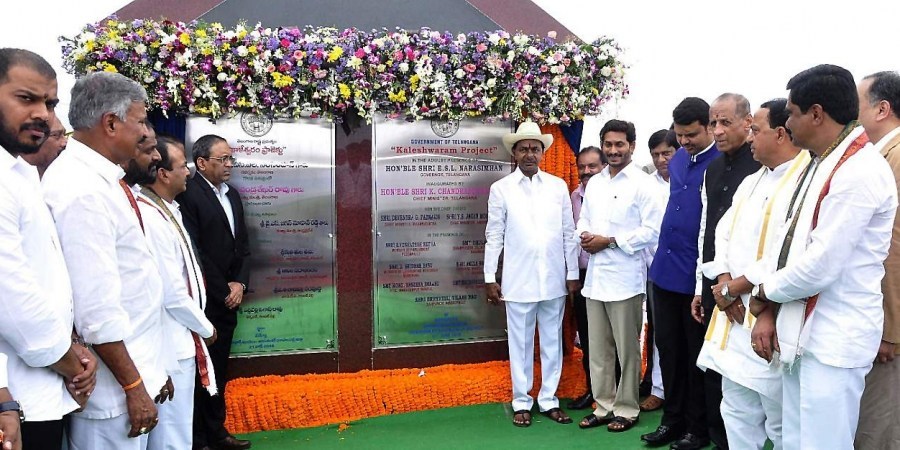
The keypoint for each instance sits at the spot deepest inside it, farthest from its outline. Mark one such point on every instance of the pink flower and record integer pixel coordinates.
(544, 68)
(285, 43)
(469, 67)
(360, 53)
(481, 47)
(298, 54)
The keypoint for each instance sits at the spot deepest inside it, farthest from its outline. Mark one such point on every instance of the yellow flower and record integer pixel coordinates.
(414, 82)
(154, 44)
(243, 102)
(335, 53)
(90, 45)
(345, 90)
(107, 67)
(225, 46)
(398, 97)
(251, 49)
(206, 51)
(201, 33)
(185, 38)
(281, 80)
(140, 33)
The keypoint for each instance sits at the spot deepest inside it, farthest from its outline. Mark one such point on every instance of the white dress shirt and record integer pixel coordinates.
(663, 191)
(627, 208)
(530, 221)
(885, 139)
(223, 200)
(36, 299)
(746, 231)
(841, 259)
(185, 292)
(116, 284)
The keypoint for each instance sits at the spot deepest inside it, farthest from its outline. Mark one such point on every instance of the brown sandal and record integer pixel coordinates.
(651, 403)
(525, 421)
(557, 415)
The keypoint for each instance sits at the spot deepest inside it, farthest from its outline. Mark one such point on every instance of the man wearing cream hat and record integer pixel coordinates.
(530, 221)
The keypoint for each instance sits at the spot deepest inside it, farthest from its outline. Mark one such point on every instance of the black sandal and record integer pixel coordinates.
(526, 418)
(557, 415)
(620, 424)
(593, 421)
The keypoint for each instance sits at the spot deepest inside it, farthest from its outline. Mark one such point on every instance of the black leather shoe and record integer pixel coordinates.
(232, 443)
(585, 401)
(690, 442)
(663, 435)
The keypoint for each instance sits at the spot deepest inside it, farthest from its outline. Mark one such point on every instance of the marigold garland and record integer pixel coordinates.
(296, 401)
(559, 159)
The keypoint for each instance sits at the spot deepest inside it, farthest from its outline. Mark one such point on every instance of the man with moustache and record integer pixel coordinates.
(184, 321)
(662, 148)
(751, 389)
(672, 273)
(830, 263)
(591, 160)
(214, 217)
(879, 421)
(50, 150)
(729, 122)
(619, 219)
(530, 221)
(117, 290)
(49, 374)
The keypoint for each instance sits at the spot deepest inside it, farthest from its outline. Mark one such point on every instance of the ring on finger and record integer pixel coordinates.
(143, 430)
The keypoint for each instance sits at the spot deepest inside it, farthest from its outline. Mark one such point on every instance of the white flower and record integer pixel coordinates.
(157, 65)
(140, 49)
(196, 93)
(148, 79)
(532, 50)
(242, 50)
(404, 67)
(491, 82)
(494, 38)
(222, 76)
(254, 34)
(86, 36)
(459, 73)
(217, 62)
(605, 71)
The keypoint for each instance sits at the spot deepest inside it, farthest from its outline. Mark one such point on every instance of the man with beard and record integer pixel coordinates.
(117, 290)
(185, 296)
(829, 264)
(142, 169)
(673, 274)
(729, 122)
(49, 375)
(591, 160)
(50, 150)
(619, 219)
(214, 217)
(530, 221)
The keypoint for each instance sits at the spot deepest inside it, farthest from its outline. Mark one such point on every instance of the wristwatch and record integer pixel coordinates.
(755, 293)
(13, 406)
(724, 292)
(243, 288)
(612, 244)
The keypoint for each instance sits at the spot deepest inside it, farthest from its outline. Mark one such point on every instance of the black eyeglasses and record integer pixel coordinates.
(222, 159)
(59, 134)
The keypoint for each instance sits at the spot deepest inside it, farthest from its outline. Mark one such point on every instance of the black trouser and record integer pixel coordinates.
(580, 310)
(209, 411)
(649, 339)
(45, 435)
(678, 339)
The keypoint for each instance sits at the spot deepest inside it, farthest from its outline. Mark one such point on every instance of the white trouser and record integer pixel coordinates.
(104, 434)
(821, 405)
(656, 375)
(520, 322)
(750, 417)
(176, 416)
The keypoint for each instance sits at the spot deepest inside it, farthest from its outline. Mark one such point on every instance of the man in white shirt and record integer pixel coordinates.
(751, 389)
(590, 161)
(830, 264)
(879, 411)
(620, 218)
(530, 221)
(117, 290)
(49, 374)
(185, 294)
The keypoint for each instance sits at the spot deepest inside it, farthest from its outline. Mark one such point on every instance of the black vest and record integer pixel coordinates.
(723, 176)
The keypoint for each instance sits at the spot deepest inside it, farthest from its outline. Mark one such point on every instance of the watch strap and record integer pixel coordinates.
(12, 406)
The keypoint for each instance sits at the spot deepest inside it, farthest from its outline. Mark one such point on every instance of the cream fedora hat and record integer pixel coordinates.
(527, 130)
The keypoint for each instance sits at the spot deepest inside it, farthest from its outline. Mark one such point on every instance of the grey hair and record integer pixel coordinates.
(741, 104)
(99, 93)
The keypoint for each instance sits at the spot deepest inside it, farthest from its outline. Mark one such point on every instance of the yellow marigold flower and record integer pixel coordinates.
(345, 90)
(185, 38)
(335, 53)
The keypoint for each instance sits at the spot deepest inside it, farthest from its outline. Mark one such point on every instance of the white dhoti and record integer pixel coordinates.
(750, 417)
(104, 434)
(821, 405)
(656, 375)
(520, 322)
(176, 416)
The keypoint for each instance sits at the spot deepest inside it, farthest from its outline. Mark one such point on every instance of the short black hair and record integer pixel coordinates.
(690, 110)
(672, 139)
(885, 87)
(163, 142)
(827, 85)
(658, 137)
(622, 127)
(203, 146)
(595, 149)
(778, 112)
(11, 57)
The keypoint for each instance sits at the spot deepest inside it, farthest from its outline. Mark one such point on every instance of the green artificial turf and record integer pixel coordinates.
(468, 427)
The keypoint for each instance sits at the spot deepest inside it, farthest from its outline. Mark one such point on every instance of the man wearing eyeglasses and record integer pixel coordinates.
(214, 217)
(51, 148)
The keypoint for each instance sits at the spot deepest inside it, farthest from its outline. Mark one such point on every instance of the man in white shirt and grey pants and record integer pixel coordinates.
(530, 221)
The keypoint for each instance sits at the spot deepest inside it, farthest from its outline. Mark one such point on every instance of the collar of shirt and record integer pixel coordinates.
(579, 191)
(110, 172)
(219, 191)
(694, 157)
(879, 146)
(659, 178)
(538, 176)
(627, 171)
(19, 165)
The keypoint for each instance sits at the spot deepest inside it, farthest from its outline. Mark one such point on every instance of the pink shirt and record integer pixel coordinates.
(577, 199)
